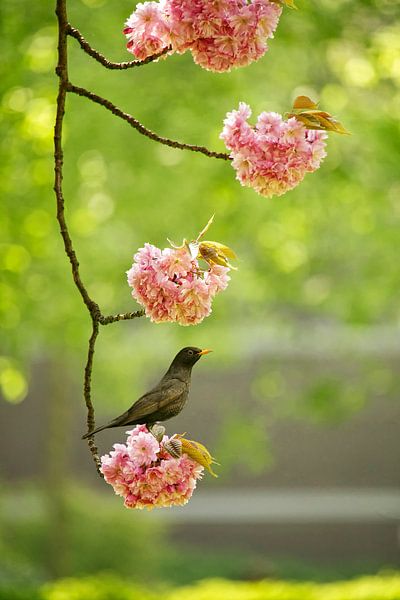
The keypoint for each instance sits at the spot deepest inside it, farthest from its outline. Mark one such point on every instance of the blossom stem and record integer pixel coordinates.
(115, 110)
(86, 47)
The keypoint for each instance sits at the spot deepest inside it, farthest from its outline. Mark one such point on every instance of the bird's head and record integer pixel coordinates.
(189, 356)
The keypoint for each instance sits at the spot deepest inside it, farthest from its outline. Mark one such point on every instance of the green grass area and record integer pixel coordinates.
(106, 587)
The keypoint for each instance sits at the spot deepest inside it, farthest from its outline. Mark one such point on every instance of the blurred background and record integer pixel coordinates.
(299, 400)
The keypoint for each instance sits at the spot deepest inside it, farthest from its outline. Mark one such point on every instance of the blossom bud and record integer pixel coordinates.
(174, 447)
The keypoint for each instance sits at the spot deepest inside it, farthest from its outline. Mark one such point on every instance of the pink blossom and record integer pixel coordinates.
(143, 448)
(170, 285)
(220, 34)
(160, 481)
(275, 155)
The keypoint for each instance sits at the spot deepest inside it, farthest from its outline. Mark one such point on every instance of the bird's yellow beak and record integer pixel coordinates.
(206, 351)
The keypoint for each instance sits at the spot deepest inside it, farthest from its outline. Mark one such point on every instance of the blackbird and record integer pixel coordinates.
(166, 399)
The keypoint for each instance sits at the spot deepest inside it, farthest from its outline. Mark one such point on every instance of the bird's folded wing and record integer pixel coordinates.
(163, 394)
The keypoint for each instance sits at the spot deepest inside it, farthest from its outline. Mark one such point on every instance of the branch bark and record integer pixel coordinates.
(86, 47)
(62, 72)
(92, 306)
(122, 317)
(115, 110)
(87, 392)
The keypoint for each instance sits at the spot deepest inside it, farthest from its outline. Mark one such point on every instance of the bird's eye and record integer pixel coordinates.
(190, 352)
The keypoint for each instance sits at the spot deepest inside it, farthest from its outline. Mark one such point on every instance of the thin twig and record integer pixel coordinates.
(122, 317)
(87, 392)
(93, 308)
(86, 47)
(79, 91)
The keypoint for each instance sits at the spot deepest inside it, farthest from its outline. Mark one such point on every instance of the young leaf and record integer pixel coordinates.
(216, 253)
(304, 102)
(213, 253)
(306, 110)
(288, 3)
(198, 453)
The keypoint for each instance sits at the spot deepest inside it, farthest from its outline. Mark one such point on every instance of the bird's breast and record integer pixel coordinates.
(175, 407)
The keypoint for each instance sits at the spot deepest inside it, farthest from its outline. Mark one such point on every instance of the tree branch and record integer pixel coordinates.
(87, 392)
(62, 72)
(79, 91)
(92, 306)
(121, 317)
(86, 47)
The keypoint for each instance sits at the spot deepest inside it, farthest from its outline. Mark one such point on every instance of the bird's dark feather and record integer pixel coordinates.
(165, 393)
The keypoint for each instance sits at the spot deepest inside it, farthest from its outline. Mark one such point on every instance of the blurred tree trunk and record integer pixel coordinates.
(57, 467)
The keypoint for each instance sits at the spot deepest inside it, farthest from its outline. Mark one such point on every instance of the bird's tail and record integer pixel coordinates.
(89, 433)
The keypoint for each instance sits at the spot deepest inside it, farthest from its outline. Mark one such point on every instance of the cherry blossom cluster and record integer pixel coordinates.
(170, 285)
(146, 475)
(220, 34)
(275, 155)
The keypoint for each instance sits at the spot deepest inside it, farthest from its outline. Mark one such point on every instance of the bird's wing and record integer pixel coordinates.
(164, 393)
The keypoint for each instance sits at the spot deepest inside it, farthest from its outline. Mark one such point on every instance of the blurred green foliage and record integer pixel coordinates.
(98, 536)
(106, 587)
(102, 537)
(325, 251)
(334, 391)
